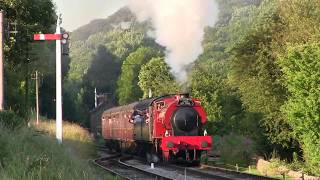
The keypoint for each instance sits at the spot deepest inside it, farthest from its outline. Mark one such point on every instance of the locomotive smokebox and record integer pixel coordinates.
(185, 122)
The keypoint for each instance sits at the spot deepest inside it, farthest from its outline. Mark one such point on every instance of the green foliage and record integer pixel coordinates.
(128, 89)
(120, 42)
(44, 61)
(103, 25)
(25, 154)
(210, 77)
(11, 120)
(102, 74)
(222, 104)
(257, 76)
(240, 63)
(156, 76)
(236, 149)
(124, 41)
(299, 19)
(302, 78)
(31, 16)
(38, 14)
(227, 8)
(119, 35)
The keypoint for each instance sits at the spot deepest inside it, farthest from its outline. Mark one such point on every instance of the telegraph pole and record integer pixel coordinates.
(37, 95)
(1, 60)
(95, 98)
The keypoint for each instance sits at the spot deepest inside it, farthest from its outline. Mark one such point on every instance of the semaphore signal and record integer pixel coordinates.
(59, 38)
(47, 37)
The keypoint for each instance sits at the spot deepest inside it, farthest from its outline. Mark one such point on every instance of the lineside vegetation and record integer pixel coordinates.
(33, 153)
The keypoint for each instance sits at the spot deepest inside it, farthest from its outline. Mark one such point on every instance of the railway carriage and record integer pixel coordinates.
(168, 127)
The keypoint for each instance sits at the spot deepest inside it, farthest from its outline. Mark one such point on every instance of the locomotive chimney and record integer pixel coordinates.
(182, 95)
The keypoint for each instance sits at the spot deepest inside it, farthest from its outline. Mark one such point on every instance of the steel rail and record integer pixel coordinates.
(126, 171)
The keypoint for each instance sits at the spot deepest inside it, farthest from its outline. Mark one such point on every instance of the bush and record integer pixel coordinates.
(236, 149)
(3, 150)
(25, 154)
(11, 120)
(301, 72)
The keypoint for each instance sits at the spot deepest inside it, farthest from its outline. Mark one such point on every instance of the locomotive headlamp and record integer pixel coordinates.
(205, 133)
(204, 144)
(170, 144)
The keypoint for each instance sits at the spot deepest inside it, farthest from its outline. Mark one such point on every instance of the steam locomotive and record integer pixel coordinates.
(169, 127)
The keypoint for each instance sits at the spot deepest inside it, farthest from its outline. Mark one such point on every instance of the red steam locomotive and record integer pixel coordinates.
(168, 127)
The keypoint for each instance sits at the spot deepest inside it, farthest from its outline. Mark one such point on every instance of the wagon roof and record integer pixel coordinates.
(139, 105)
(144, 104)
(121, 108)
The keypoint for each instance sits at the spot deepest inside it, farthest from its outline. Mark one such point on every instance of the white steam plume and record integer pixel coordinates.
(179, 26)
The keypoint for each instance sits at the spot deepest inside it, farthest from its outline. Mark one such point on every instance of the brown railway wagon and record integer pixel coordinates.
(116, 123)
(95, 119)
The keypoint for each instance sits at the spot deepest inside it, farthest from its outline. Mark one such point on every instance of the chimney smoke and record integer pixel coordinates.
(179, 26)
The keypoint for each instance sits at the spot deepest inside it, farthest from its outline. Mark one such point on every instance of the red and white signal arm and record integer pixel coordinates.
(47, 37)
(51, 37)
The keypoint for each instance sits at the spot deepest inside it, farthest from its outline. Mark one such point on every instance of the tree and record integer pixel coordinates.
(223, 107)
(255, 73)
(302, 78)
(299, 20)
(119, 35)
(124, 41)
(128, 89)
(156, 76)
(103, 25)
(102, 74)
(31, 16)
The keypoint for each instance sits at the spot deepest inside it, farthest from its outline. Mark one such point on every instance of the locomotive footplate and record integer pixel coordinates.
(185, 143)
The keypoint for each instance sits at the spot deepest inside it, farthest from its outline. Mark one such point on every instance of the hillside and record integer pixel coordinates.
(102, 25)
(97, 51)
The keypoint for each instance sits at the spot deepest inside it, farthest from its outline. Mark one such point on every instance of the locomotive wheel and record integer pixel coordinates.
(151, 155)
(195, 163)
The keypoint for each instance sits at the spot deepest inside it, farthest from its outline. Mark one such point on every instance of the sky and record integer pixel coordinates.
(76, 13)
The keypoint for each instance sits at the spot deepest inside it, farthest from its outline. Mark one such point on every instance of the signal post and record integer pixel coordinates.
(57, 37)
(1, 60)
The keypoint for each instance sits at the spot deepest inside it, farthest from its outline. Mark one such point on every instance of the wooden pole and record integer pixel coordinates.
(1, 60)
(37, 97)
(95, 98)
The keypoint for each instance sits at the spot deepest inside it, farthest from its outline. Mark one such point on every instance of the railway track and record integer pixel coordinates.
(236, 174)
(130, 167)
(194, 173)
(134, 169)
(114, 166)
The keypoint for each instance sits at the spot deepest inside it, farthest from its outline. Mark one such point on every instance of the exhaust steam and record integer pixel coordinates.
(179, 26)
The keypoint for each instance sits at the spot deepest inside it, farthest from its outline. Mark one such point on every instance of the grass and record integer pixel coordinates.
(236, 153)
(75, 137)
(27, 154)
